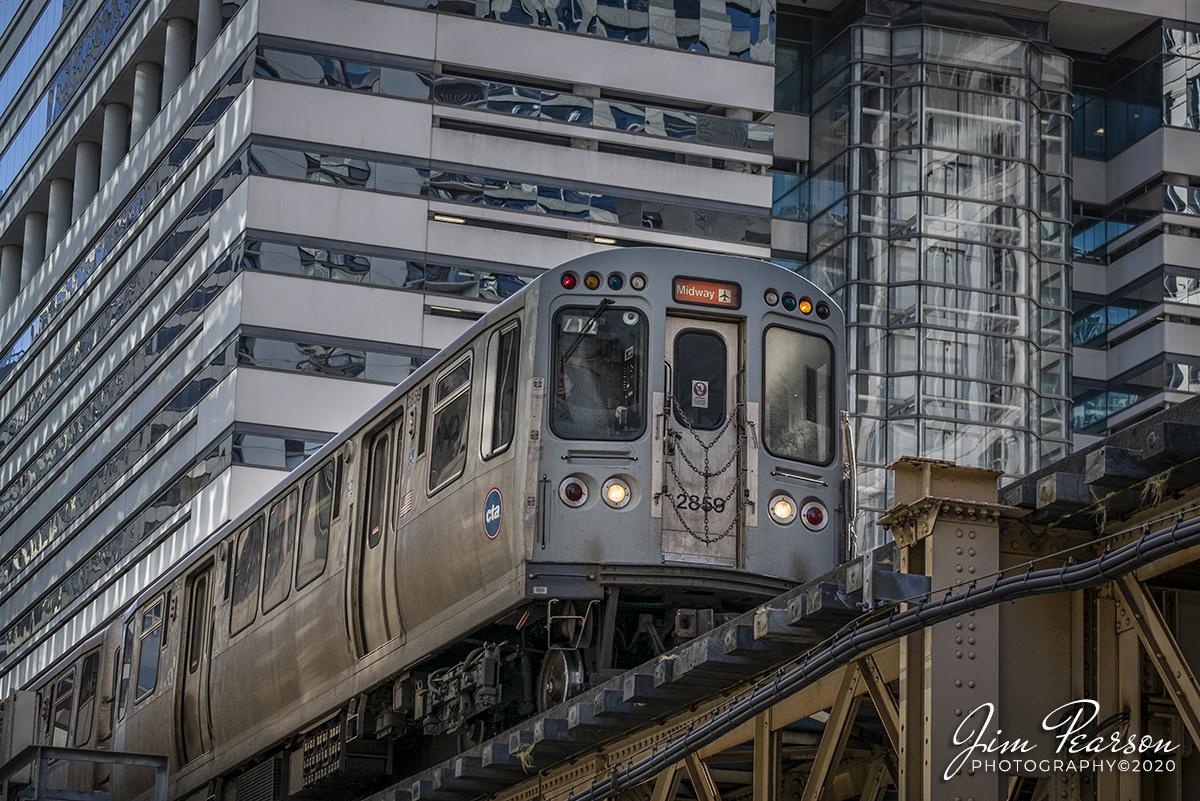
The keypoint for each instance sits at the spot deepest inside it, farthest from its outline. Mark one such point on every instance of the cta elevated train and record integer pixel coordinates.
(638, 440)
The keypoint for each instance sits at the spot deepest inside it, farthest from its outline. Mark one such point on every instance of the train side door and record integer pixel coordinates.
(702, 517)
(378, 614)
(195, 717)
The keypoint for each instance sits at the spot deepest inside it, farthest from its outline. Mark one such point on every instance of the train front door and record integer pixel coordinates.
(196, 729)
(702, 442)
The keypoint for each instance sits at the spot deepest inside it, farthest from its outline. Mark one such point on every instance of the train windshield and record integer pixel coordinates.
(798, 393)
(599, 372)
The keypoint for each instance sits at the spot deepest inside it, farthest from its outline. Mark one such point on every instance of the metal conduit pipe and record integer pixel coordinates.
(878, 631)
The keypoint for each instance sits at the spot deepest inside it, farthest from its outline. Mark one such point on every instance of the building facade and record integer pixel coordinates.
(228, 228)
(1000, 196)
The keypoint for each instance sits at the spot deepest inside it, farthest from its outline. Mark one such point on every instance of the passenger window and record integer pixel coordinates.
(377, 490)
(87, 698)
(64, 697)
(126, 668)
(451, 412)
(281, 536)
(247, 571)
(798, 395)
(315, 515)
(151, 637)
(500, 391)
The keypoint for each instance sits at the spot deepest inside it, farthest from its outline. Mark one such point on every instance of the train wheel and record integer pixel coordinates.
(561, 677)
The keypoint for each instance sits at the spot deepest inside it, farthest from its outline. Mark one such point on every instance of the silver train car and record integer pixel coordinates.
(639, 442)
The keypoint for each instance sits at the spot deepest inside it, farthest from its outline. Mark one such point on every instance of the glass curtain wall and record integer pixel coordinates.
(938, 204)
(1153, 81)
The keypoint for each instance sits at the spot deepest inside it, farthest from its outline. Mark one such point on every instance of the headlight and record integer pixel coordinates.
(814, 516)
(782, 509)
(616, 493)
(573, 491)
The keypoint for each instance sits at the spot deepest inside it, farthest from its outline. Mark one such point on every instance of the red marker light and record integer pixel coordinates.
(814, 516)
(574, 492)
(569, 280)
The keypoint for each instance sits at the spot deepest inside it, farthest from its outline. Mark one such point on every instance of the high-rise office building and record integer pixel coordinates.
(227, 228)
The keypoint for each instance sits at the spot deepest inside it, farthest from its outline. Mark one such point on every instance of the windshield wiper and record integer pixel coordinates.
(604, 304)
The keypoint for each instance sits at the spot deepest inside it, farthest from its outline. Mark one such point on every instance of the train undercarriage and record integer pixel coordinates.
(528, 662)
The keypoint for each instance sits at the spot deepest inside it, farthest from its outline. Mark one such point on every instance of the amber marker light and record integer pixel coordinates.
(782, 509)
(592, 280)
(805, 306)
(616, 493)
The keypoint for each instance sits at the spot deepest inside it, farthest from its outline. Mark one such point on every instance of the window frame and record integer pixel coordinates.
(197, 611)
(556, 369)
(247, 606)
(89, 675)
(52, 727)
(375, 505)
(722, 385)
(831, 411)
(438, 407)
(158, 627)
(488, 449)
(291, 526)
(309, 496)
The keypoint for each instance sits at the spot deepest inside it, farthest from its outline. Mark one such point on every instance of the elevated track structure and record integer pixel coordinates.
(910, 672)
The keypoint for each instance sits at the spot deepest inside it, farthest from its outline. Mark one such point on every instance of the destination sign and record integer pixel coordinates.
(707, 293)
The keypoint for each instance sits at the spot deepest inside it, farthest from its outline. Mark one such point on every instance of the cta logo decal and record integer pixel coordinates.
(493, 511)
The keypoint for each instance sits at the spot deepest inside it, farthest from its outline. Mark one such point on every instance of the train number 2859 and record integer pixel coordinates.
(697, 503)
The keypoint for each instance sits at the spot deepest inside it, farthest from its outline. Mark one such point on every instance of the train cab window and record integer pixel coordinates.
(87, 698)
(798, 396)
(126, 668)
(277, 564)
(377, 490)
(60, 717)
(247, 572)
(700, 357)
(451, 413)
(315, 515)
(151, 640)
(500, 390)
(599, 374)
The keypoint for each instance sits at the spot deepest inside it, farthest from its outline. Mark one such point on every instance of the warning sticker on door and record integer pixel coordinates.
(699, 394)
